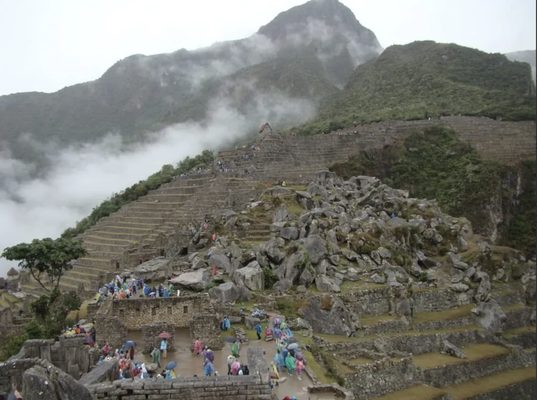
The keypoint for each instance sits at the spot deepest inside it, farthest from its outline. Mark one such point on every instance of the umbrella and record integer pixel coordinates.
(165, 335)
(292, 346)
(128, 344)
(171, 365)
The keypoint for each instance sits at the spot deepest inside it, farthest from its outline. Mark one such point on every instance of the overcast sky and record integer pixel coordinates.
(47, 45)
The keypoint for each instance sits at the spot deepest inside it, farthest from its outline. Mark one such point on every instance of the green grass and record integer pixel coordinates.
(357, 286)
(317, 369)
(419, 392)
(446, 315)
(518, 331)
(472, 352)
(364, 338)
(490, 383)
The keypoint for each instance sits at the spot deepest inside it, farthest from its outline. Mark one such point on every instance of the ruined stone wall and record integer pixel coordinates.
(525, 390)
(68, 353)
(179, 311)
(507, 142)
(370, 302)
(453, 374)
(151, 339)
(206, 327)
(437, 299)
(249, 387)
(381, 377)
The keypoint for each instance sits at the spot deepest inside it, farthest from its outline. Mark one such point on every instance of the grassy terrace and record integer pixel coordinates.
(351, 287)
(419, 392)
(490, 383)
(446, 315)
(473, 353)
(360, 339)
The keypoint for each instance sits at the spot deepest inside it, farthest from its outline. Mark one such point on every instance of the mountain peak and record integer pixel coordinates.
(331, 29)
(331, 12)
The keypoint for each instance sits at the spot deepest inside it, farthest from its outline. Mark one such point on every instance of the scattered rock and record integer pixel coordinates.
(328, 314)
(39, 383)
(251, 276)
(490, 316)
(315, 247)
(225, 293)
(326, 284)
(289, 233)
(195, 280)
(451, 349)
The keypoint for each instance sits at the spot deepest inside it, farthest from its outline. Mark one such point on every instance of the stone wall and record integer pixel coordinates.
(68, 353)
(152, 316)
(109, 327)
(409, 344)
(381, 377)
(206, 327)
(178, 311)
(436, 299)
(151, 339)
(368, 302)
(249, 387)
(452, 374)
(525, 390)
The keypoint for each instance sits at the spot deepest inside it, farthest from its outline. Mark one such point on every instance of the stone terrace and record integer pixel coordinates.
(396, 358)
(141, 229)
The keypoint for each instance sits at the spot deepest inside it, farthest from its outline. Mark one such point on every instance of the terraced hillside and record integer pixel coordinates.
(140, 230)
(404, 358)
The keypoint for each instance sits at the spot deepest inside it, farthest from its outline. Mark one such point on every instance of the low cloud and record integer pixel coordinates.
(82, 177)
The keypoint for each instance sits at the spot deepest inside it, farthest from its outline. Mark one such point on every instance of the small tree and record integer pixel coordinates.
(46, 259)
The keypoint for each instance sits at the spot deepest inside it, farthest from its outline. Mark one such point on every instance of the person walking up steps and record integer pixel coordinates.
(258, 330)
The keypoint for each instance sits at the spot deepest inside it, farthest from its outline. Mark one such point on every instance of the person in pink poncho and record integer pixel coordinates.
(198, 346)
(299, 365)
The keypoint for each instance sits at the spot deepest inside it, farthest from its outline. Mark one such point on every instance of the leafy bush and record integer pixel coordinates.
(435, 164)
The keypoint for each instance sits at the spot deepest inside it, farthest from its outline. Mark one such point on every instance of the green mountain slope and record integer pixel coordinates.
(428, 79)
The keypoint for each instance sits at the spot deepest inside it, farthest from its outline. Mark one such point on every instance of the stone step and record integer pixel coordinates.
(412, 341)
(517, 315)
(417, 392)
(128, 226)
(517, 384)
(523, 336)
(109, 255)
(94, 261)
(132, 223)
(481, 359)
(453, 317)
(125, 235)
(506, 294)
(105, 248)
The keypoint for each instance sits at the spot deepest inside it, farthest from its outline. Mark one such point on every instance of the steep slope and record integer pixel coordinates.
(527, 56)
(428, 79)
(142, 93)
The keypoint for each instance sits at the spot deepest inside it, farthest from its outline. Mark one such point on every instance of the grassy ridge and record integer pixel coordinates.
(423, 79)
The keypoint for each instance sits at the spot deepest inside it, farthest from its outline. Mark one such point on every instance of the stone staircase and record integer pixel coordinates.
(392, 358)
